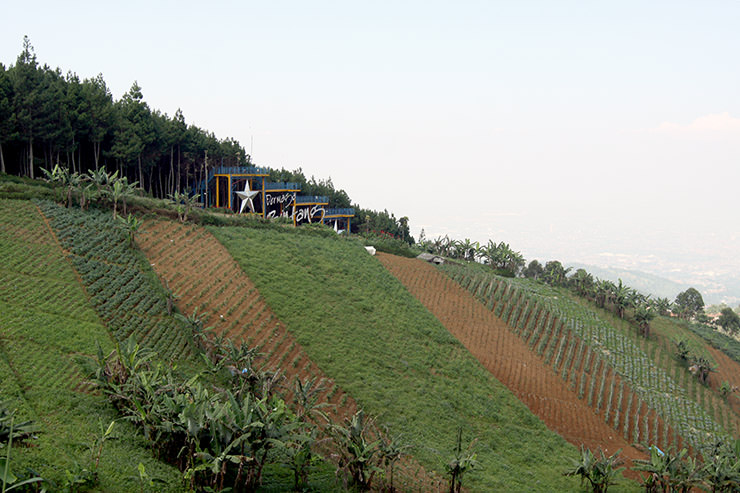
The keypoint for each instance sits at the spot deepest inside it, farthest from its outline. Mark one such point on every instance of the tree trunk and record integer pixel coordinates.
(2, 159)
(73, 156)
(171, 181)
(205, 176)
(179, 169)
(96, 153)
(141, 174)
(30, 157)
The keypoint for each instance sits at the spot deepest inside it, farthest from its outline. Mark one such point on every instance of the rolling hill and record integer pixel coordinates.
(526, 372)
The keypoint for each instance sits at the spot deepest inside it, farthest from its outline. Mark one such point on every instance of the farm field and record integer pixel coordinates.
(507, 357)
(46, 325)
(671, 408)
(365, 331)
(123, 289)
(206, 280)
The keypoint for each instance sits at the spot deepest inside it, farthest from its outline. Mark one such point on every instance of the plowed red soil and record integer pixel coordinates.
(507, 357)
(200, 271)
(202, 274)
(727, 370)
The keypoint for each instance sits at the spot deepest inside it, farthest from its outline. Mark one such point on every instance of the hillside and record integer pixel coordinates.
(46, 326)
(362, 328)
(507, 357)
(528, 372)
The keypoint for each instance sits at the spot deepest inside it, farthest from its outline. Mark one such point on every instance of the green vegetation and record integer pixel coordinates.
(45, 325)
(386, 242)
(499, 256)
(544, 316)
(123, 288)
(600, 472)
(48, 119)
(728, 345)
(225, 434)
(366, 332)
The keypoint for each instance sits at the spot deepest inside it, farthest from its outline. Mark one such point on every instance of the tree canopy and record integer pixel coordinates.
(688, 303)
(729, 320)
(47, 118)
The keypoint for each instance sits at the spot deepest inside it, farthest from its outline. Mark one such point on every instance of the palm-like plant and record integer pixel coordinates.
(643, 315)
(9, 431)
(356, 448)
(465, 249)
(668, 471)
(391, 449)
(722, 473)
(622, 297)
(184, 202)
(65, 178)
(463, 460)
(131, 225)
(582, 282)
(101, 179)
(599, 472)
(555, 274)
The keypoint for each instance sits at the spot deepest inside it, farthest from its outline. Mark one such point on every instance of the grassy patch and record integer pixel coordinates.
(364, 330)
(728, 345)
(46, 324)
(122, 286)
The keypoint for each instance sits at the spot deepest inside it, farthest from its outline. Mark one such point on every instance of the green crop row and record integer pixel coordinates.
(547, 321)
(121, 285)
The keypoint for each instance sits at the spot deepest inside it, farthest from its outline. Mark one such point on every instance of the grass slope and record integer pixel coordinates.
(363, 329)
(45, 324)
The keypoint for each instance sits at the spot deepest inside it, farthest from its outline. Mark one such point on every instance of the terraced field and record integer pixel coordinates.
(361, 326)
(204, 277)
(671, 407)
(122, 287)
(507, 357)
(46, 325)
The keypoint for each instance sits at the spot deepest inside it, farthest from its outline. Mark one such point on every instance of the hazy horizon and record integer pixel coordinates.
(607, 134)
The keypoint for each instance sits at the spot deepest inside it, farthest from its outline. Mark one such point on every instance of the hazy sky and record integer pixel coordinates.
(572, 130)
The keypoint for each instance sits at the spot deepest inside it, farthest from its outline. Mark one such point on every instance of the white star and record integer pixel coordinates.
(247, 195)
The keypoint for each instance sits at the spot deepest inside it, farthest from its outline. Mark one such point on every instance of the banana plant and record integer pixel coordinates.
(600, 472)
(357, 449)
(131, 225)
(8, 431)
(463, 461)
(183, 203)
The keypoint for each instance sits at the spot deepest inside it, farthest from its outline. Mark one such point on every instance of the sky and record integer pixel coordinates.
(599, 132)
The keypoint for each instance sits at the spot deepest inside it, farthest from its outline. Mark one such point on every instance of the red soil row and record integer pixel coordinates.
(204, 276)
(509, 358)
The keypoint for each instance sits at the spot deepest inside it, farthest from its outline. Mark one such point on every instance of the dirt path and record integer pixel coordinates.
(507, 357)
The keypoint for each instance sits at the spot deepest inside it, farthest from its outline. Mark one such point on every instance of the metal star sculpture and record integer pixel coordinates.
(247, 195)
